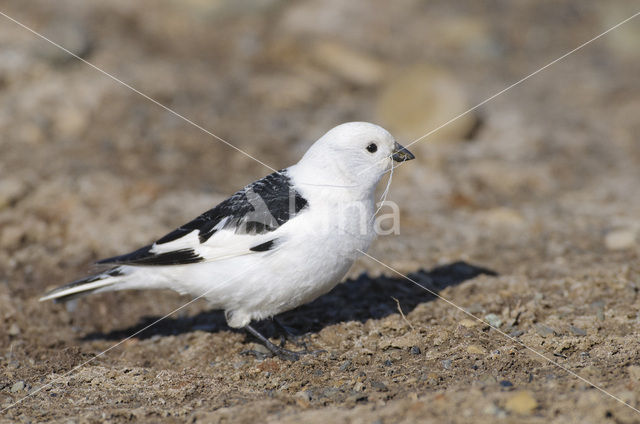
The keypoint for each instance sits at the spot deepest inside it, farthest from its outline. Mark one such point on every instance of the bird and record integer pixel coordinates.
(278, 243)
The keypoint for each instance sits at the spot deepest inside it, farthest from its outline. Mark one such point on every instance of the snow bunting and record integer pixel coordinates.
(278, 243)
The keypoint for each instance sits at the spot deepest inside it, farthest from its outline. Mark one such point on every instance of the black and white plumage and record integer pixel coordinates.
(276, 244)
(257, 209)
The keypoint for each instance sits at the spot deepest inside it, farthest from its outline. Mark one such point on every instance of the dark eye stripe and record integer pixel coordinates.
(372, 148)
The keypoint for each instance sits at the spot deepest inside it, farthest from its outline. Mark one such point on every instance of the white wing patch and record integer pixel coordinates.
(188, 241)
(224, 244)
(227, 244)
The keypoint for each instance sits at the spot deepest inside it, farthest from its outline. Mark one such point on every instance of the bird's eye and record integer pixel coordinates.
(372, 148)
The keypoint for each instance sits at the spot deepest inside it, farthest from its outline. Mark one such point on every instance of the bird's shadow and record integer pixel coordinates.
(357, 299)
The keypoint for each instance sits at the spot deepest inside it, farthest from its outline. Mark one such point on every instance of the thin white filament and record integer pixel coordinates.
(383, 198)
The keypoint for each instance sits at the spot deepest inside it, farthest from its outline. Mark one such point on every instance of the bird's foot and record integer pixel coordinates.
(275, 350)
(280, 352)
(287, 335)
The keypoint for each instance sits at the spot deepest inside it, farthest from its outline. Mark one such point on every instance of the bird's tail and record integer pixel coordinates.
(86, 285)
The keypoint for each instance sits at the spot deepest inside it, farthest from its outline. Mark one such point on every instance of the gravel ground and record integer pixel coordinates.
(524, 213)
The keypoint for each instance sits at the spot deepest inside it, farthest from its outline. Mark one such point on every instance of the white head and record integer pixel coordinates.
(355, 153)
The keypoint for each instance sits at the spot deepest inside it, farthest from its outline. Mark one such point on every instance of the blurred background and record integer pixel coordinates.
(539, 184)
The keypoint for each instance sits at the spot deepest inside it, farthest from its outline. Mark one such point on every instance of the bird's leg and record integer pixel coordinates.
(275, 350)
(278, 351)
(288, 335)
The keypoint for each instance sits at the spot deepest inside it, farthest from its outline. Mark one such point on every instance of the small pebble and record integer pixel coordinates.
(506, 383)
(432, 378)
(521, 403)
(487, 379)
(446, 364)
(14, 330)
(17, 386)
(623, 238)
(476, 350)
(358, 387)
(351, 65)
(468, 323)
(577, 331)
(493, 320)
(544, 330)
(599, 307)
(303, 395)
(380, 386)
(415, 350)
(345, 365)
(495, 410)
(258, 347)
(421, 97)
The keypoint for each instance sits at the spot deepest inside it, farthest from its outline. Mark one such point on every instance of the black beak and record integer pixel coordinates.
(400, 154)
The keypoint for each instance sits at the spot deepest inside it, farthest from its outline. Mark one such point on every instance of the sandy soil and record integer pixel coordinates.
(524, 213)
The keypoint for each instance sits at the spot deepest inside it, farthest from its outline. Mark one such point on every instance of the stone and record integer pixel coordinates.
(577, 331)
(303, 398)
(405, 341)
(493, 409)
(545, 331)
(620, 239)
(487, 379)
(259, 347)
(465, 35)
(624, 40)
(521, 403)
(18, 386)
(493, 320)
(345, 365)
(379, 386)
(598, 305)
(71, 35)
(476, 350)
(420, 99)
(468, 323)
(14, 330)
(350, 65)
(11, 236)
(303, 395)
(11, 190)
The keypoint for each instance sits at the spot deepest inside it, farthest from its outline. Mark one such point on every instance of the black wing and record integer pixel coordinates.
(259, 208)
